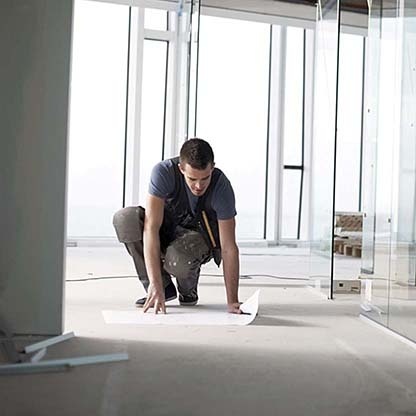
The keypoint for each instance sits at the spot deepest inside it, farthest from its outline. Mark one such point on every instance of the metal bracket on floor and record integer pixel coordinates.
(48, 342)
(60, 364)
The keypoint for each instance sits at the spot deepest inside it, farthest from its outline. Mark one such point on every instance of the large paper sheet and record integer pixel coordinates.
(186, 315)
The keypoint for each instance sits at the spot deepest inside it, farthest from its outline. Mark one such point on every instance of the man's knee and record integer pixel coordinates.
(186, 254)
(128, 223)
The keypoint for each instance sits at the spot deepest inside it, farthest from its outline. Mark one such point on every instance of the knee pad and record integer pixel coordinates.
(128, 223)
(185, 254)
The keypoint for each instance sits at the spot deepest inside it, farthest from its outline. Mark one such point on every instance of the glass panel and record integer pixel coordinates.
(186, 46)
(193, 70)
(153, 111)
(290, 203)
(323, 145)
(372, 79)
(156, 19)
(402, 305)
(348, 231)
(349, 123)
(384, 170)
(293, 114)
(232, 110)
(97, 118)
(377, 285)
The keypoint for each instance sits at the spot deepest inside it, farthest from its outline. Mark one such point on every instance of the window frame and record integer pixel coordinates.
(176, 103)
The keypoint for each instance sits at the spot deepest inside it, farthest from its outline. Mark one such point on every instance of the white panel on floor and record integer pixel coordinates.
(187, 315)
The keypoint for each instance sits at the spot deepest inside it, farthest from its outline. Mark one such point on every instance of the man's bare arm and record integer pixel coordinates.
(151, 242)
(231, 263)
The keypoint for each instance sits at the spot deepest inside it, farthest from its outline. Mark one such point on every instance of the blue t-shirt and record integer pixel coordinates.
(162, 185)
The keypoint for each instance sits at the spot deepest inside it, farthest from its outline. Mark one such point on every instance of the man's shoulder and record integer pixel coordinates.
(165, 167)
(167, 163)
(223, 199)
(222, 187)
(162, 179)
(221, 178)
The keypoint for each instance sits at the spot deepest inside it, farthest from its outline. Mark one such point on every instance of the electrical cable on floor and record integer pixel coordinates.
(84, 279)
(247, 276)
(274, 255)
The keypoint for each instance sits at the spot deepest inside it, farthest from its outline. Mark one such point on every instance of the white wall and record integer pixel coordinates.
(35, 45)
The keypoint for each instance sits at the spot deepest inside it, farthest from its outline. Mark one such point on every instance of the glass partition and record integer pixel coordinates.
(370, 137)
(384, 171)
(348, 218)
(402, 299)
(324, 145)
(378, 157)
(350, 93)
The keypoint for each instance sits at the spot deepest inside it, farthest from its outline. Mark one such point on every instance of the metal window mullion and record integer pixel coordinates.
(275, 168)
(281, 130)
(266, 182)
(165, 101)
(293, 167)
(136, 131)
(178, 125)
(362, 126)
(190, 79)
(310, 47)
(280, 137)
(126, 111)
(197, 74)
(303, 134)
(163, 35)
(170, 92)
(331, 288)
(177, 138)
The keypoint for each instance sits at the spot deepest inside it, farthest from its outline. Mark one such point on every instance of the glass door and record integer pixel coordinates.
(381, 119)
(402, 294)
(324, 146)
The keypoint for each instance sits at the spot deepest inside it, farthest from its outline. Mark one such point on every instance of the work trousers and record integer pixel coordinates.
(182, 258)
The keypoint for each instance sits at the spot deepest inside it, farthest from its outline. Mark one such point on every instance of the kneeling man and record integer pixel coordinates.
(189, 219)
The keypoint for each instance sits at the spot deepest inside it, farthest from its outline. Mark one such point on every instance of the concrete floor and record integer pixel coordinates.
(303, 355)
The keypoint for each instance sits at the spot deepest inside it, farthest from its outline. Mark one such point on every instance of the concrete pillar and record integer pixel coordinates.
(35, 50)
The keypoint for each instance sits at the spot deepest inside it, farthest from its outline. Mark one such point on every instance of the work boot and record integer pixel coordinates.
(191, 299)
(170, 294)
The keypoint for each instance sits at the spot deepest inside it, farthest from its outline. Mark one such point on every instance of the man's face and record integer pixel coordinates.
(196, 179)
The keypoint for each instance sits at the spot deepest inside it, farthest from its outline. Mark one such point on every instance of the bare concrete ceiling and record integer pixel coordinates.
(275, 7)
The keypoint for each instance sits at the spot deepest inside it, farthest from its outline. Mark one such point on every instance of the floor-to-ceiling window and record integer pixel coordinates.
(119, 98)
(349, 123)
(97, 117)
(232, 110)
(153, 110)
(293, 133)
(233, 113)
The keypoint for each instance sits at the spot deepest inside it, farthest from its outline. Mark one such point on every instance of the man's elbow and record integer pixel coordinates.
(230, 250)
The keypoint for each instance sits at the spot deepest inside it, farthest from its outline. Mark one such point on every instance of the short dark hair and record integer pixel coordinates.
(197, 153)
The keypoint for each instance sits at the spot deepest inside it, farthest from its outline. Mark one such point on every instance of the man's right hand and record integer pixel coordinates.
(155, 298)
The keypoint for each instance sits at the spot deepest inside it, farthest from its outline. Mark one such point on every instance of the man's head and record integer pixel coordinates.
(196, 162)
